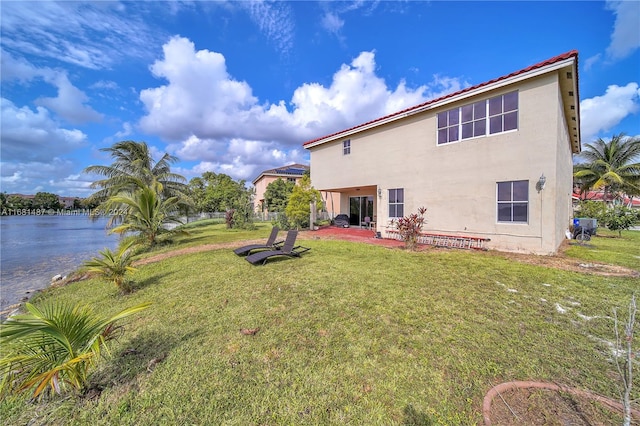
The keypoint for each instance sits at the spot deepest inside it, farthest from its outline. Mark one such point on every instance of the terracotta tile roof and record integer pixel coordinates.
(599, 196)
(550, 61)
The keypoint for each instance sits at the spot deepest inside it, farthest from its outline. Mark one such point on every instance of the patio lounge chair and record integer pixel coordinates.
(271, 244)
(288, 249)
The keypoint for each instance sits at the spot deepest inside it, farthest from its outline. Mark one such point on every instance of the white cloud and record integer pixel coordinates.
(332, 23)
(202, 99)
(70, 102)
(241, 159)
(625, 38)
(90, 35)
(602, 113)
(17, 68)
(127, 130)
(32, 176)
(210, 117)
(29, 135)
(104, 85)
(591, 61)
(274, 19)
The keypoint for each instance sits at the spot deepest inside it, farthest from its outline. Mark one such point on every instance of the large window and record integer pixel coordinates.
(497, 114)
(513, 201)
(474, 120)
(503, 113)
(346, 147)
(448, 126)
(396, 202)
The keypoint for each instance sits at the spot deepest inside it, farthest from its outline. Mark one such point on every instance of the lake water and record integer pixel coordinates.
(33, 249)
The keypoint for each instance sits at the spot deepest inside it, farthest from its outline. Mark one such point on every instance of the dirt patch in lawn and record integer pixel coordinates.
(561, 261)
(536, 403)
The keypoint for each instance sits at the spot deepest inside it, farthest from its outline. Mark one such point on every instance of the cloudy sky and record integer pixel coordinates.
(238, 87)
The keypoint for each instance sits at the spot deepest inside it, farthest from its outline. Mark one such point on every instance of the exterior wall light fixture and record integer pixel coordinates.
(541, 182)
(379, 192)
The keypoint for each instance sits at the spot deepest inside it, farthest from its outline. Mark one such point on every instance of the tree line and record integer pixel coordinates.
(40, 201)
(611, 168)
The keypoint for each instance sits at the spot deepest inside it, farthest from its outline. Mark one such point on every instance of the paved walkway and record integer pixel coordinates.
(350, 234)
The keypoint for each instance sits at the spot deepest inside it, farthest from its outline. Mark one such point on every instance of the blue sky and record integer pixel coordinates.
(238, 87)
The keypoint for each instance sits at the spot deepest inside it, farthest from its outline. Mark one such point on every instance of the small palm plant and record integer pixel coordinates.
(114, 266)
(53, 348)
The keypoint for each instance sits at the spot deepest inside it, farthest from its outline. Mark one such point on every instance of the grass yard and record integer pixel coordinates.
(348, 334)
(607, 247)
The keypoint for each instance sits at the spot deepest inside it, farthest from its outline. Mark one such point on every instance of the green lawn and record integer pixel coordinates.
(349, 334)
(607, 247)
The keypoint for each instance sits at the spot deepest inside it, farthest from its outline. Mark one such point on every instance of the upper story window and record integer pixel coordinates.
(346, 147)
(513, 201)
(503, 113)
(290, 179)
(497, 114)
(396, 202)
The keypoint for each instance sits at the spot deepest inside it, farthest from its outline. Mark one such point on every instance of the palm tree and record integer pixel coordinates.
(132, 168)
(114, 266)
(54, 347)
(147, 214)
(611, 166)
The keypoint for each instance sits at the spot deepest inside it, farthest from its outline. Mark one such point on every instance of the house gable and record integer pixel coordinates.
(567, 62)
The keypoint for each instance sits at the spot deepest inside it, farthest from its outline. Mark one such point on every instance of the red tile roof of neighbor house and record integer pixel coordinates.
(550, 61)
(599, 196)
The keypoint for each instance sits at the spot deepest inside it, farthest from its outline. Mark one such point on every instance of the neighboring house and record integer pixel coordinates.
(615, 199)
(67, 202)
(291, 173)
(490, 161)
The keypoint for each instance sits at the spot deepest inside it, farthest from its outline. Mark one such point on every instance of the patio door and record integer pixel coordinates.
(359, 208)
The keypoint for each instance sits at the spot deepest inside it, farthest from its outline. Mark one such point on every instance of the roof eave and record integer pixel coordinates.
(464, 94)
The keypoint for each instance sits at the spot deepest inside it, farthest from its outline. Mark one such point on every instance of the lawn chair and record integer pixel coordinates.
(271, 244)
(288, 249)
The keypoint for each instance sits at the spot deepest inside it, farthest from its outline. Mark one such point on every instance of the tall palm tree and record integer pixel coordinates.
(611, 166)
(132, 168)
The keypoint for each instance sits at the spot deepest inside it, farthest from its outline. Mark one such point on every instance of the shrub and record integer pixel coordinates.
(228, 218)
(592, 209)
(621, 217)
(282, 222)
(616, 218)
(410, 227)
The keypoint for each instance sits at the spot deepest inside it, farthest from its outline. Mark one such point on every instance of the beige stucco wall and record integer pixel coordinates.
(260, 187)
(457, 181)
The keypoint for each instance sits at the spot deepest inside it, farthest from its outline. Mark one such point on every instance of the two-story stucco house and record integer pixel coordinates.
(291, 173)
(491, 161)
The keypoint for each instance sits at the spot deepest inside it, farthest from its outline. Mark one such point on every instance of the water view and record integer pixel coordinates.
(33, 249)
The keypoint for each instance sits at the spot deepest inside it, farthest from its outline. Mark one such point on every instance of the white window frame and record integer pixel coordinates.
(487, 120)
(395, 203)
(511, 202)
(346, 147)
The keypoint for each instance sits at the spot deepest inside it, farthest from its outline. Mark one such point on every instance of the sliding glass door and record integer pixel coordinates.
(359, 208)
